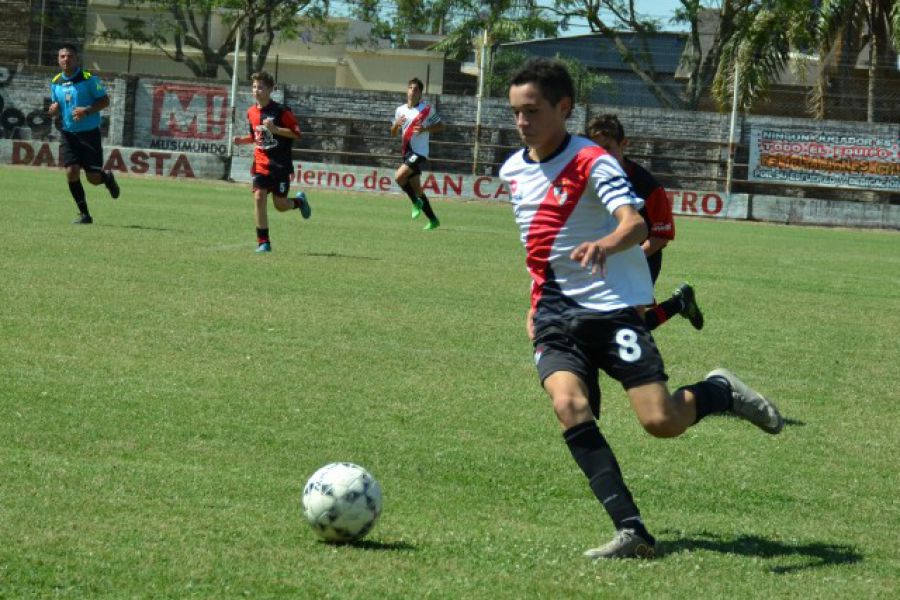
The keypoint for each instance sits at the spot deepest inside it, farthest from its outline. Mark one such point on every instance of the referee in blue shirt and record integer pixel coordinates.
(77, 97)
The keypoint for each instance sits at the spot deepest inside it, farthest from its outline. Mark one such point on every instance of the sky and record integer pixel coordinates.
(659, 9)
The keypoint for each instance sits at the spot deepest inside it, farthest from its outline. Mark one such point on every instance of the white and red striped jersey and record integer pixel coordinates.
(565, 200)
(421, 114)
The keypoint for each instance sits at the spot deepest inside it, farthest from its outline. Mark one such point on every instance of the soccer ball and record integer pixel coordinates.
(342, 501)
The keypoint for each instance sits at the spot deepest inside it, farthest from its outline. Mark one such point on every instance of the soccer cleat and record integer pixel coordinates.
(749, 404)
(264, 247)
(432, 224)
(627, 543)
(691, 311)
(83, 220)
(303, 205)
(111, 185)
(417, 208)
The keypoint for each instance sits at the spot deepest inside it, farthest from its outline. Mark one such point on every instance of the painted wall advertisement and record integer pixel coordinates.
(803, 157)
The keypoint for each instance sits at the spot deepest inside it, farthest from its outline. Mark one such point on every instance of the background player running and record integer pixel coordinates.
(273, 128)
(607, 131)
(416, 120)
(77, 97)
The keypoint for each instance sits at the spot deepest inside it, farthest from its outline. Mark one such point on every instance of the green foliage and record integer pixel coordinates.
(165, 392)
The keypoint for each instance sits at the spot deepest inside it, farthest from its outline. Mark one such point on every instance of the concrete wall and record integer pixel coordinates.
(175, 117)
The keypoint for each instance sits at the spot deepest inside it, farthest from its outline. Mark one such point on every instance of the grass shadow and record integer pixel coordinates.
(375, 545)
(339, 255)
(815, 555)
(139, 227)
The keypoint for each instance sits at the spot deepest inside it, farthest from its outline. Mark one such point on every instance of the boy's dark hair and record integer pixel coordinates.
(418, 83)
(608, 125)
(70, 47)
(264, 77)
(550, 76)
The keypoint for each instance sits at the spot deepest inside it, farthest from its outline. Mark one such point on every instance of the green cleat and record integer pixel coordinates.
(417, 208)
(432, 224)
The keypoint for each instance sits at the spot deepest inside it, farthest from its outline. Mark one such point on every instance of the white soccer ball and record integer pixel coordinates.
(342, 501)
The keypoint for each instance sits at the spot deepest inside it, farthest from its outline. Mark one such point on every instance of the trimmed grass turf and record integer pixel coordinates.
(165, 393)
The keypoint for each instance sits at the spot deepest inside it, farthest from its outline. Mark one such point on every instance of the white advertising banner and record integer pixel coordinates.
(832, 159)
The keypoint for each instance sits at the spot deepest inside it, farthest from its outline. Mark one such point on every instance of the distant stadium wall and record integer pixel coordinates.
(180, 129)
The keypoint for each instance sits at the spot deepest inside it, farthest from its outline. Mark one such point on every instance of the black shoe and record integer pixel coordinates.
(690, 310)
(83, 220)
(111, 185)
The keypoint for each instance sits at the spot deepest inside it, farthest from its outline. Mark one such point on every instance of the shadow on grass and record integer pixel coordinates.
(139, 227)
(376, 545)
(794, 422)
(814, 555)
(339, 255)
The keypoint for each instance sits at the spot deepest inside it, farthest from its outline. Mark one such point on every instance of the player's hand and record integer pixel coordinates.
(270, 124)
(591, 255)
(53, 109)
(78, 113)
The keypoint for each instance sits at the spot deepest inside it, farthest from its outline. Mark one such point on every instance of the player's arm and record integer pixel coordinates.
(242, 139)
(53, 109)
(287, 132)
(662, 225)
(79, 112)
(436, 128)
(629, 231)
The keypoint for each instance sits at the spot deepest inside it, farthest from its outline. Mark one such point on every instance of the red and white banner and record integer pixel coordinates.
(470, 187)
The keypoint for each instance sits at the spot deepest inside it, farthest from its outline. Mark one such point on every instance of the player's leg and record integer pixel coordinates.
(416, 183)
(261, 217)
(282, 203)
(572, 385)
(69, 148)
(402, 177)
(682, 302)
(92, 159)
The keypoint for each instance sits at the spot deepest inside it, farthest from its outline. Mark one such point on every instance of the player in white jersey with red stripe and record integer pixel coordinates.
(581, 229)
(415, 121)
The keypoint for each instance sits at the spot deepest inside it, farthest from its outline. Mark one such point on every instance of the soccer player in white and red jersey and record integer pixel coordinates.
(607, 131)
(273, 128)
(579, 222)
(415, 121)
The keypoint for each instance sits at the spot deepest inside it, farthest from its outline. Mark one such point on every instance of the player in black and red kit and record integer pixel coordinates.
(273, 128)
(607, 131)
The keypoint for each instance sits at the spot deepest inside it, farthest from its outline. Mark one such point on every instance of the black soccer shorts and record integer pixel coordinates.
(277, 183)
(82, 148)
(617, 342)
(414, 161)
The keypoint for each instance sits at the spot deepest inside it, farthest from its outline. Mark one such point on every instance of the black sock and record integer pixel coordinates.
(597, 461)
(660, 313)
(77, 191)
(426, 208)
(262, 235)
(407, 187)
(712, 396)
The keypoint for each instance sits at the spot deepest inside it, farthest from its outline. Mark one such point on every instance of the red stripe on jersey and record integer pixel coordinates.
(555, 209)
(408, 132)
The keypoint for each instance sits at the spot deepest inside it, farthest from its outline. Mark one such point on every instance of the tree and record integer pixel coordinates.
(845, 29)
(504, 21)
(706, 60)
(170, 26)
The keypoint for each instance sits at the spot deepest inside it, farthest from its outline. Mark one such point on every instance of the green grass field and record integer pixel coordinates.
(165, 392)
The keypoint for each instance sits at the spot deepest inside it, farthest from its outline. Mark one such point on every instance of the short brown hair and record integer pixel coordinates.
(264, 77)
(417, 82)
(608, 125)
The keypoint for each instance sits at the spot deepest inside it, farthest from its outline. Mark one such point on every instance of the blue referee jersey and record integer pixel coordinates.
(81, 89)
